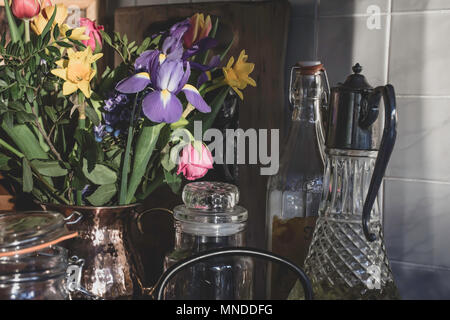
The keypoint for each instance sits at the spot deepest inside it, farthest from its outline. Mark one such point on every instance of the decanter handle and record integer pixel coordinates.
(384, 154)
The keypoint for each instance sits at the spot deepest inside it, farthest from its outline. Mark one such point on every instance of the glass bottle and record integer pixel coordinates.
(347, 257)
(209, 219)
(293, 195)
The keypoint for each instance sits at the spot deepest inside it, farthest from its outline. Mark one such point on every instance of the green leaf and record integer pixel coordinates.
(92, 115)
(143, 151)
(226, 50)
(167, 163)
(50, 111)
(50, 22)
(106, 38)
(27, 176)
(48, 85)
(179, 124)
(173, 180)
(16, 105)
(26, 141)
(49, 168)
(4, 162)
(64, 44)
(90, 149)
(3, 83)
(156, 40)
(100, 174)
(208, 118)
(8, 120)
(144, 45)
(30, 95)
(15, 91)
(103, 195)
(54, 50)
(24, 117)
(56, 32)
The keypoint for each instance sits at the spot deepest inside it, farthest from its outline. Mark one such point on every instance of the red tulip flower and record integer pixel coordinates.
(193, 164)
(25, 9)
(93, 31)
(199, 29)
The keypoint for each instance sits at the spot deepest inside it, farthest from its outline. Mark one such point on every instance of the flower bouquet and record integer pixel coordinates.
(72, 136)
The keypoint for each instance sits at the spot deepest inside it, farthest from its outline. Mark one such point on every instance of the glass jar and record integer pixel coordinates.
(210, 219)
(32, 266)
(38, 275)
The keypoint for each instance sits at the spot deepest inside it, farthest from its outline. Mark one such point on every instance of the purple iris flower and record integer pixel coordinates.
(162, 104)
(201, 46)
(206, 69)
(149, 61)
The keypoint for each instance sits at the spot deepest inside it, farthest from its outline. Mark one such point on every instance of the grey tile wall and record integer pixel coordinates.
(419, 5)
(345, 7)
(416, 222)
(411, 51)
(419, 59)
(422, 149)
(343, 41)
(434, 283)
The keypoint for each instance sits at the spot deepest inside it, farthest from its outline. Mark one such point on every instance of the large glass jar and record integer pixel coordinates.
(209, 219)
(32, 266)
(35, 276)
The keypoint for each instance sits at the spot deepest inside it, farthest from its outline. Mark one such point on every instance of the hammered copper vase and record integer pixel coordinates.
(112, 268)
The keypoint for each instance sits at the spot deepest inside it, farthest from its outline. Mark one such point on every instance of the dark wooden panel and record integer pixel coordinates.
(261, 29)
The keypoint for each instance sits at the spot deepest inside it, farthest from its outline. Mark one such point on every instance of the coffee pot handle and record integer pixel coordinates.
(384, 154)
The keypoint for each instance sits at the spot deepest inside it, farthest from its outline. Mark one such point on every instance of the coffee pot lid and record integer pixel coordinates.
(25, 232)
(356, 81)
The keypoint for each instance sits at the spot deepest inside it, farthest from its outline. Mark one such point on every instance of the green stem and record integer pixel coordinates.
(20, 155)
(213, 87)
(126, 159)
(81, 125)
(13, 30)
(27, 30)
(11, 148)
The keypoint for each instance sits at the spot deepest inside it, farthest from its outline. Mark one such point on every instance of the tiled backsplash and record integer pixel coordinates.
(408, 49)
(406, 45)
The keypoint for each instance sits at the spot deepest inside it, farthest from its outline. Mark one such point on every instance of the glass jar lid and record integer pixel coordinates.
(26, 232)
(210, 208)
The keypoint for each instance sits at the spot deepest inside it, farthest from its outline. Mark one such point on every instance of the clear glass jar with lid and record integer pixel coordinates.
(210, 219)
(32, 266)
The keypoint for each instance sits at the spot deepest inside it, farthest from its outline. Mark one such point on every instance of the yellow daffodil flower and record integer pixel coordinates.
(38, 24)
(237, 76)
(77, 71)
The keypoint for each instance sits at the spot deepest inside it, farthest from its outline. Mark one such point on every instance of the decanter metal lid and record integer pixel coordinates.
(354, 122)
